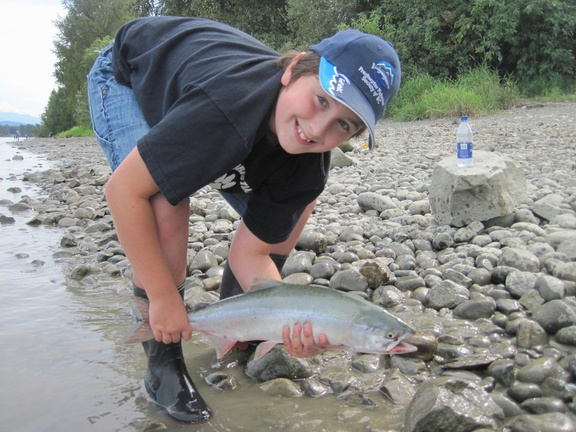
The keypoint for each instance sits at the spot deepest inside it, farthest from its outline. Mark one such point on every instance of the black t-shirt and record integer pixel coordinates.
(207, 91)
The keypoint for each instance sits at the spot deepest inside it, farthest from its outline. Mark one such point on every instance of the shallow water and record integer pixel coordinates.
(63, 368)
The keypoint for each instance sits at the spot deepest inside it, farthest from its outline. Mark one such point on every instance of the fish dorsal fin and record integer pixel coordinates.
(262, 284)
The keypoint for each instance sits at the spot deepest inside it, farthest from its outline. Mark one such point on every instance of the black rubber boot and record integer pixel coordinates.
(230, 287)
(167, 380)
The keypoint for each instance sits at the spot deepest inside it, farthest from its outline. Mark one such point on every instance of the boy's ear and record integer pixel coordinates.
(287, 75)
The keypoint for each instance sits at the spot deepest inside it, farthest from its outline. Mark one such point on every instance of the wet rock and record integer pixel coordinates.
(520, 391)
(398, 388)
(446, 295)
(567, 335)
(312, 241)
(568, 246)
(549, 422)
(315, 388)
(278, 364)
(221, 381)
(387, 296)
(543, 405)
(281, 387)
(520, 259)
(473, 361)
(554, 315)
(355, 399)
(530, 334)
(376, 272)
(508, 406)
(504, 371)
(538, 370)
(297, 263)
(203, 261)
(474, 309)
(6, 220)
(367, 363)
(299, 279)
(349, 280)
(451, 404)
(566, 271)
(520, 282)
(81, 271)
(550, 288)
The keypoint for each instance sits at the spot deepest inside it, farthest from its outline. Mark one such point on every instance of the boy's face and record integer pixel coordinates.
(308, 120)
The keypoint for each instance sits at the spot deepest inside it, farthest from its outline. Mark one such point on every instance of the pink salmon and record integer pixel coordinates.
(348, 321)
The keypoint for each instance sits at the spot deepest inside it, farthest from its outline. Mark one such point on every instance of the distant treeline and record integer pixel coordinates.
(22, 130)
(530, 42)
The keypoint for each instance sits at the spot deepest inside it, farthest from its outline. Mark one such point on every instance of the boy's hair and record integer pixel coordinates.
(308, 64)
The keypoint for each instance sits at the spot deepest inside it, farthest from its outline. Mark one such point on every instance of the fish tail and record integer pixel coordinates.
(141, 330)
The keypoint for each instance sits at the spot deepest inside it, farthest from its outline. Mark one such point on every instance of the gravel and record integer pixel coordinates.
(496, 301)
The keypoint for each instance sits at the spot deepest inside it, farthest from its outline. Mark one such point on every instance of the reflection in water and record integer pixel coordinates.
(62, 366)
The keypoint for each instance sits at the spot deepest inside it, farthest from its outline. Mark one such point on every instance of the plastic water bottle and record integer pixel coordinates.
(464, 143)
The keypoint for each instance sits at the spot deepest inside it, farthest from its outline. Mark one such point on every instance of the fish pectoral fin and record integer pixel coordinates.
(221, 344)
(263, 348)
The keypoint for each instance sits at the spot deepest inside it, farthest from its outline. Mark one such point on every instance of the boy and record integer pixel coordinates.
(180, 103)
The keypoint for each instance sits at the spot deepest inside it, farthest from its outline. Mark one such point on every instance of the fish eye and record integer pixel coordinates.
(390, 335)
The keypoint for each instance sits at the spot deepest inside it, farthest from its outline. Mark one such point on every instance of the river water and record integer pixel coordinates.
(62, 366)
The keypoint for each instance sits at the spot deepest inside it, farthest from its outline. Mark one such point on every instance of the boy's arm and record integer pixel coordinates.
(128, 194)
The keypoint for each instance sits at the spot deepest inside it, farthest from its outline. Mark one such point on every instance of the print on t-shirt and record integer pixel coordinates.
(233, 181)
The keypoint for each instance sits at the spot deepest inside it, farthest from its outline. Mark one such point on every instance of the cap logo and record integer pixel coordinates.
(338, 81)
(384, 71)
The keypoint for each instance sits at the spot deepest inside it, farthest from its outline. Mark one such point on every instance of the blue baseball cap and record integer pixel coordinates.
(361, 71)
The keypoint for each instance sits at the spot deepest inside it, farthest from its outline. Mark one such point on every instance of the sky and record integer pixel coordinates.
(27, 33)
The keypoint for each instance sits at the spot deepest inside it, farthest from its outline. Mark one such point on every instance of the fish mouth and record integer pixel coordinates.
(400, 347)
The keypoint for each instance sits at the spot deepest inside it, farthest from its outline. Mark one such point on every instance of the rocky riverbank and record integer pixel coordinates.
(499, 297)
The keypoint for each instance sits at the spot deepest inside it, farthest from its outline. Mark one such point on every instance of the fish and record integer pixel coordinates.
(349, 322)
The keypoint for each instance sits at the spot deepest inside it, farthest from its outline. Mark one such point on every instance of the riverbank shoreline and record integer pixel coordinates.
(493, 337)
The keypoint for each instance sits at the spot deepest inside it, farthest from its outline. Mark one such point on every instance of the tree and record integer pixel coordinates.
(56, 117)
(85, 22)
(529, 39)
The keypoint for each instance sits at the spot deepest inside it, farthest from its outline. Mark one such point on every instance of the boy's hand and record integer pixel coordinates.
(169, 319)
(302, 342)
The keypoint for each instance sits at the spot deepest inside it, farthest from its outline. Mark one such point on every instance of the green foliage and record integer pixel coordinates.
(310, 22)
(457, 56)
(266, 21)
(77, 131)
(86, 21)
(532, 40)
(56, 117)
(477, 92)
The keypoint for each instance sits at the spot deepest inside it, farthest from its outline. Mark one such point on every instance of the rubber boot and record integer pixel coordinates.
(167, 380)
(230, 287)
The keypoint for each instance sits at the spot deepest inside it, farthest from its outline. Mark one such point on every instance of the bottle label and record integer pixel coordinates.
(464, 150)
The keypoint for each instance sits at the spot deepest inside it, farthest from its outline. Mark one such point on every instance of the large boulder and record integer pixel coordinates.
(493, 187)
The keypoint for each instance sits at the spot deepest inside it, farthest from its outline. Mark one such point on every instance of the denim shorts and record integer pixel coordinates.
(116, 117)
(118, 121)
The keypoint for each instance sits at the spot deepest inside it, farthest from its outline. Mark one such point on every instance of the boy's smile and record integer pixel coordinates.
(308, 120)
